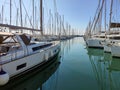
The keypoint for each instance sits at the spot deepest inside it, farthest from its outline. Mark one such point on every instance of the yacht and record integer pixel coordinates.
(19, 53)
(95, 41)
(115, 50)
(111, 39)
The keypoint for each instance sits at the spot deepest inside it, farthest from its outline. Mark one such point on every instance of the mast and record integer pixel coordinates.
(21, 15)
(99, 16)
(55, 16)
(63, 26)
(2, 13)
(69, 29)
(57, 22)
(10, 11)
(110, 14)
(17, 17)
(50, 24)
(60, 26)
(33, 13)
(90, 29)
(41, 17)
(0, 18)
(105, 18)
(35, 17)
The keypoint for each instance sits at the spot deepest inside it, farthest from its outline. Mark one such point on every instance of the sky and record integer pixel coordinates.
(76, 12)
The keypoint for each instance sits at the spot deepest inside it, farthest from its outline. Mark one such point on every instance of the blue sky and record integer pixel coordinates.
(76, 12)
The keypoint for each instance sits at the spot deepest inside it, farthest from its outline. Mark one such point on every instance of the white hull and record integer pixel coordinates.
(108, 44)
(115, 51)
(18, 66)
(107, 48)
(95, 43)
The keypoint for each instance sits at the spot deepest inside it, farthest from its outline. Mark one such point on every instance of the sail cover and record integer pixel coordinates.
(114, 25)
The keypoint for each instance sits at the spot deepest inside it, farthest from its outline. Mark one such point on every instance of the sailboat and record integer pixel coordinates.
(113, 37)
(37, 78)
(20, 53)
(96, 35)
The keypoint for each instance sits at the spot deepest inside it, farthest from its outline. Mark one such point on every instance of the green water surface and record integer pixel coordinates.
(81, 68)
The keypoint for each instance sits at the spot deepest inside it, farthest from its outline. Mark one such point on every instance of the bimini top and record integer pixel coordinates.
(23, 37)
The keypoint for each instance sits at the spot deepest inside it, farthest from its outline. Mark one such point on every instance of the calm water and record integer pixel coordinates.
(80, 69)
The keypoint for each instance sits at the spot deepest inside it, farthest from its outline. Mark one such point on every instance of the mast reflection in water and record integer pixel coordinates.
(81, 68)
(36, 80)
(106, 69)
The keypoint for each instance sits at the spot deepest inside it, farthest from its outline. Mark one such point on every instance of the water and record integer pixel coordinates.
(81, 68)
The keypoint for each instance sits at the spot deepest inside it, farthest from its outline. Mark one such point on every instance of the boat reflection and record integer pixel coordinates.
(106, 69)
(35, 80)
(115, 65)
(66, 47)
(94, 52)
